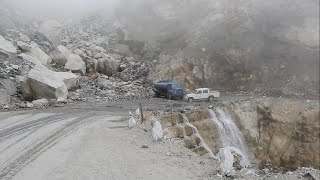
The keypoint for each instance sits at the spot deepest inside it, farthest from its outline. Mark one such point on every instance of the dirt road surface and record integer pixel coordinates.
(89, 143)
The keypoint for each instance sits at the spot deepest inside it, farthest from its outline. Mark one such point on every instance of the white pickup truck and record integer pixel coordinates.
(202, 94)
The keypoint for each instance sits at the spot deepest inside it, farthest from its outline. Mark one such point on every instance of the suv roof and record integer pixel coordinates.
(165, 81)
(201, 89)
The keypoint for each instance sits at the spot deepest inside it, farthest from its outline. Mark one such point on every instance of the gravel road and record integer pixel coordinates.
(91, 141)
(86, 142)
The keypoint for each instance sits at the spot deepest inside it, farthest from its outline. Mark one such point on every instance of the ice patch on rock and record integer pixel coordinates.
(157, 133)
(132, 121)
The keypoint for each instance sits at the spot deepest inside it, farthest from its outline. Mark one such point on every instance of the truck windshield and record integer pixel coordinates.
(175, 86)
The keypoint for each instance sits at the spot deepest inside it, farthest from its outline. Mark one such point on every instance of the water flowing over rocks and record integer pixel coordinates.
(251, 133)
(233, 144)
(280, 131)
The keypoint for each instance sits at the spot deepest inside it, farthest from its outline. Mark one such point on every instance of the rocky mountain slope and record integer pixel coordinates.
(67, 61)
(239, 45)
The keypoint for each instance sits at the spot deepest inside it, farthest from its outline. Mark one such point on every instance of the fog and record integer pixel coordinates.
(266, 39)
(60, 8)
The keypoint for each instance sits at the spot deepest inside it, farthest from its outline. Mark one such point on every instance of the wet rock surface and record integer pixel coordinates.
(281, 131)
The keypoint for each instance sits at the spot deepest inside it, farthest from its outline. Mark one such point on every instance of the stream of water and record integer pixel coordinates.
(230, 135)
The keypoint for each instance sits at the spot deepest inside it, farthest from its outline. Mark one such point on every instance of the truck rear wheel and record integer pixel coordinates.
(211, 98)
(190, 100)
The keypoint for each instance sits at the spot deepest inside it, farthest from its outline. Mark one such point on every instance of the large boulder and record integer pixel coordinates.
(30, 58)
(23, 46)
(9, 85)
(75, 64)
(43, 83)
(4, 97)
(107, 66)
(40, 102)
(7, 48)
(37, 53)
(70, 79)
(231, 158)
(60, 55)
(51, 29)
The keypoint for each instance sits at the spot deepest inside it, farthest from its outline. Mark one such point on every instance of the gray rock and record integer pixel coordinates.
(24, 38)
(4, 97)
(107, 66)
(40, 102)
(129, 58)
(23, 70)
(60, 55)
(7, 47)
(25, 88)
(51, 29)
(144, 146)
(9, 85)
(29, 105)
(24, 46)
(22, 105)
(99, 55)
(99, 49)
(19, 79)
(75, 64)
(16, 67)
(43, 83)
(78, 52)
(70, 79)
(123, 67)
(30, 58)
(6, 106)
(102, 41)
(38, 54)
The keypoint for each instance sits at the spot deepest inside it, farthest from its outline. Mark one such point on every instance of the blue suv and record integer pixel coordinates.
(169, 89)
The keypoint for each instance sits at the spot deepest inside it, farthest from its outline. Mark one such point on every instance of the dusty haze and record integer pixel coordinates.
(61, 8)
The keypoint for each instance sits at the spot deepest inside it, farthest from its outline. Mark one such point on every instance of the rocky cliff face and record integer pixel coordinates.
(235, 45)
(281, 132)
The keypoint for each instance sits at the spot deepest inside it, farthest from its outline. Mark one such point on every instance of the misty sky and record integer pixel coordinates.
(60, 7)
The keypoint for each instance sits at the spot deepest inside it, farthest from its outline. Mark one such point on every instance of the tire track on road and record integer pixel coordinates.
(10, 169)
(32, 125)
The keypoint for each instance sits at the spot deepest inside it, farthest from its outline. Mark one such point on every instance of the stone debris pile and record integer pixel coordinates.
(64, 63)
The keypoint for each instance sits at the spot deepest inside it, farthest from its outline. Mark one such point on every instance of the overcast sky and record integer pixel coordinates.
(61, 7)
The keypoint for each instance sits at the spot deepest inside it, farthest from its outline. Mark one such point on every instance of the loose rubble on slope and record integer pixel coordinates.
(105, 69)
